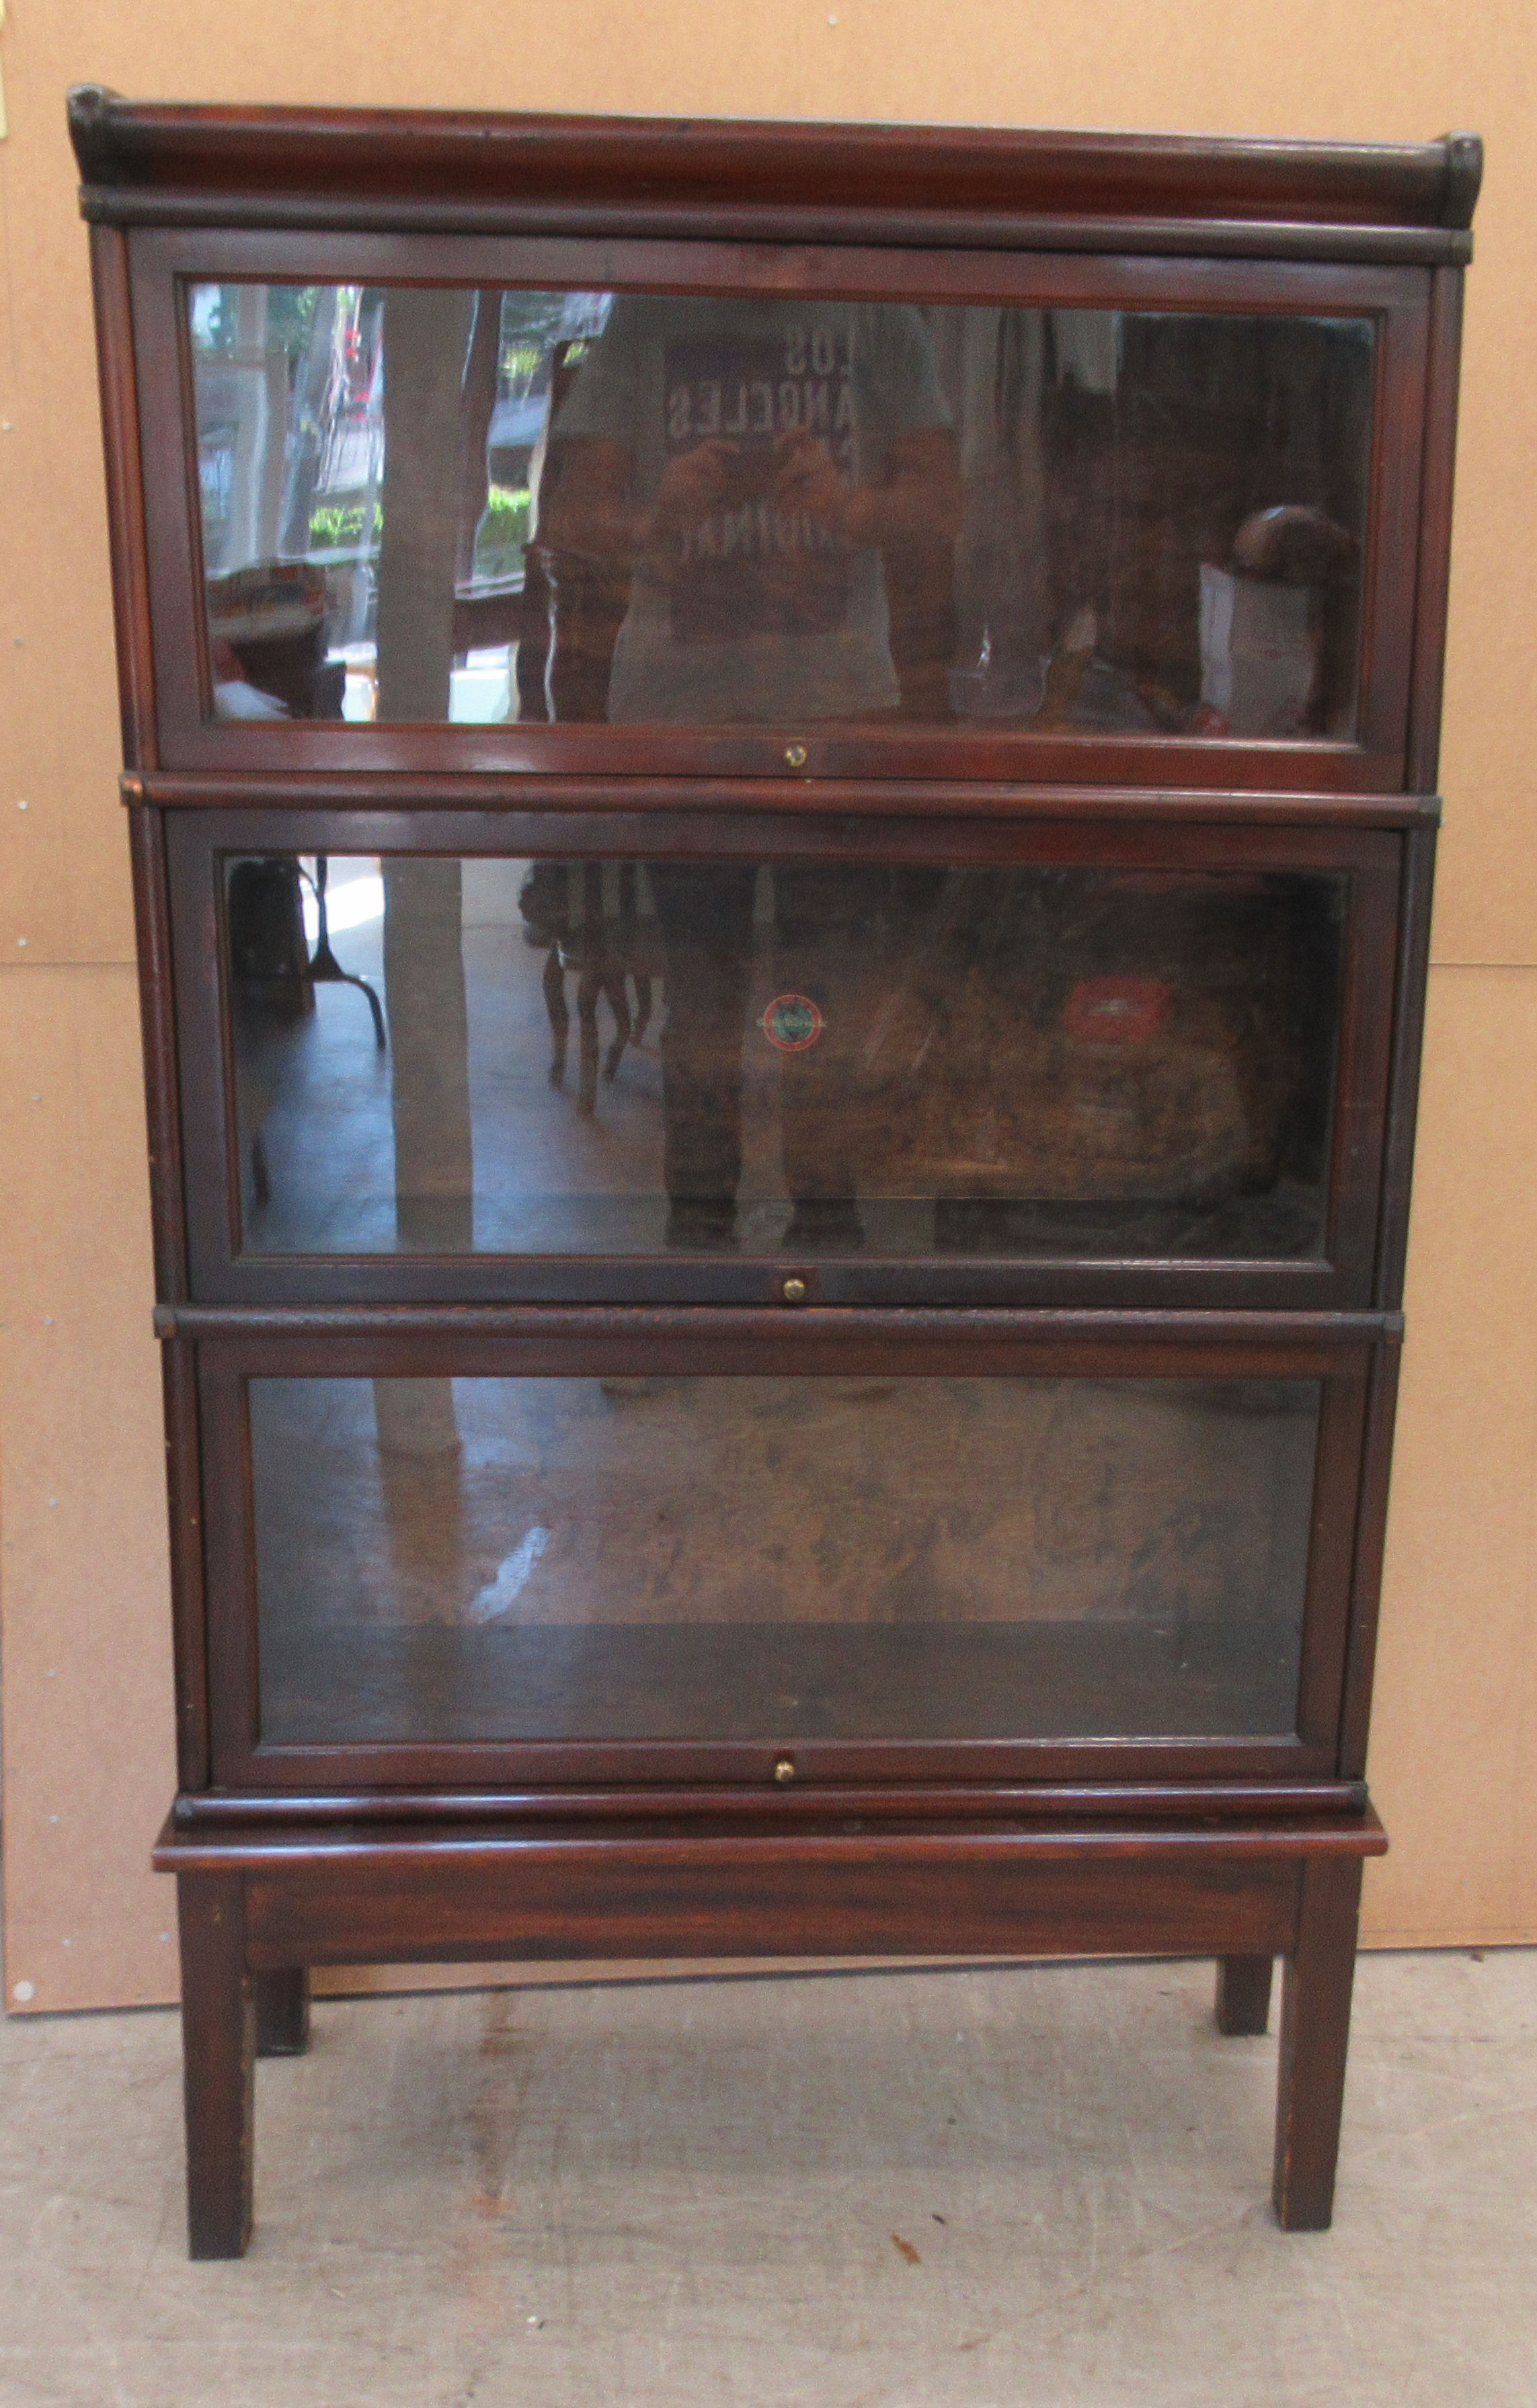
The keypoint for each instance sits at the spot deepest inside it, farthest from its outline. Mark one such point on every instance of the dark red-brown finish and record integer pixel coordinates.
(1366, 1573)
(142, 161)
(1243, 1996)
(805, 1800)
(1395, 300)
(189, 1596)
(283, 2011)
(1242, 1850)
(1006, 1887)
(219, 2048)
(1242, 1892)
(1398, 1155)
(125, 501)
(151, 914)
(1341, 1276)
(1314, 2034)
(710, 1341)
(1435, 529)
(791, 800)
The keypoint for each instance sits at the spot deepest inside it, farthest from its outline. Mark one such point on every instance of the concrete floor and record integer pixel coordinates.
(1024, 2185)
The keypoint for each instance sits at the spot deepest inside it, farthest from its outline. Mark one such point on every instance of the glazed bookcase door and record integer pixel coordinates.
(628, 505)
(666, 1056)
(694, 1547)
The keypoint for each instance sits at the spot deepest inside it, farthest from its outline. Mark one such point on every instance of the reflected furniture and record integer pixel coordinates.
(939, 634)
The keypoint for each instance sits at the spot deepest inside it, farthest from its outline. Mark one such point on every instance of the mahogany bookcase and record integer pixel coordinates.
(925, 644)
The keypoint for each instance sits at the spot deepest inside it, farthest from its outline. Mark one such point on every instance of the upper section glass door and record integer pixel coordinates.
(700, 509)
(574, 524)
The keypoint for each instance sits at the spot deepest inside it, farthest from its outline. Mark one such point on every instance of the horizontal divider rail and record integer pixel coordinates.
(885, 1804)
(510, 791)
(882, 1323)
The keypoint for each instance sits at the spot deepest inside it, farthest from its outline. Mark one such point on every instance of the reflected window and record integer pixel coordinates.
(490, 506)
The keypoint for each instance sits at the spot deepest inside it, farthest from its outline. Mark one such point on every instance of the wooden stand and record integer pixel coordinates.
(256, 1911)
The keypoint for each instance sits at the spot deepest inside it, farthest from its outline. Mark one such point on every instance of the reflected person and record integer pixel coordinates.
(773, 473)
(834, 926)
(781, 481)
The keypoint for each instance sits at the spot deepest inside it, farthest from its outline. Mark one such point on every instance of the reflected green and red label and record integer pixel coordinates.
(792, 1021)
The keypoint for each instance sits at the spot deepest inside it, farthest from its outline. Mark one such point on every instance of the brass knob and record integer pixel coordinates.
(784, 1769)
(796, 755)
(793, 1291)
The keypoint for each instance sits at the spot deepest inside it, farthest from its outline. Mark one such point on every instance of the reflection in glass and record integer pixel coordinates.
(625, 1056)
(775, 1558)
(445, 504)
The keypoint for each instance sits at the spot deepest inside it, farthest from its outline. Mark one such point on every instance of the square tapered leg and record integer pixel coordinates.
(218, 2038)
(1243, 1995)
(1315, 2033)
(282, 2012)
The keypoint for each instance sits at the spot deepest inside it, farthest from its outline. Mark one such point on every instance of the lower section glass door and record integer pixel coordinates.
(775, 1558)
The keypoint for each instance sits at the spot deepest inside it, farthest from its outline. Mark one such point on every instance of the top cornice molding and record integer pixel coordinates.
(380, 169)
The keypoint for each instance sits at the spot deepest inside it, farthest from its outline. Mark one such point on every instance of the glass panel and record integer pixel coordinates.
(780, 1559)
(487, 505)
(619, 1057)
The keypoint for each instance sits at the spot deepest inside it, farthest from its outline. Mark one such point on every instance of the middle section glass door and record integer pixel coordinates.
(966, 1067)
